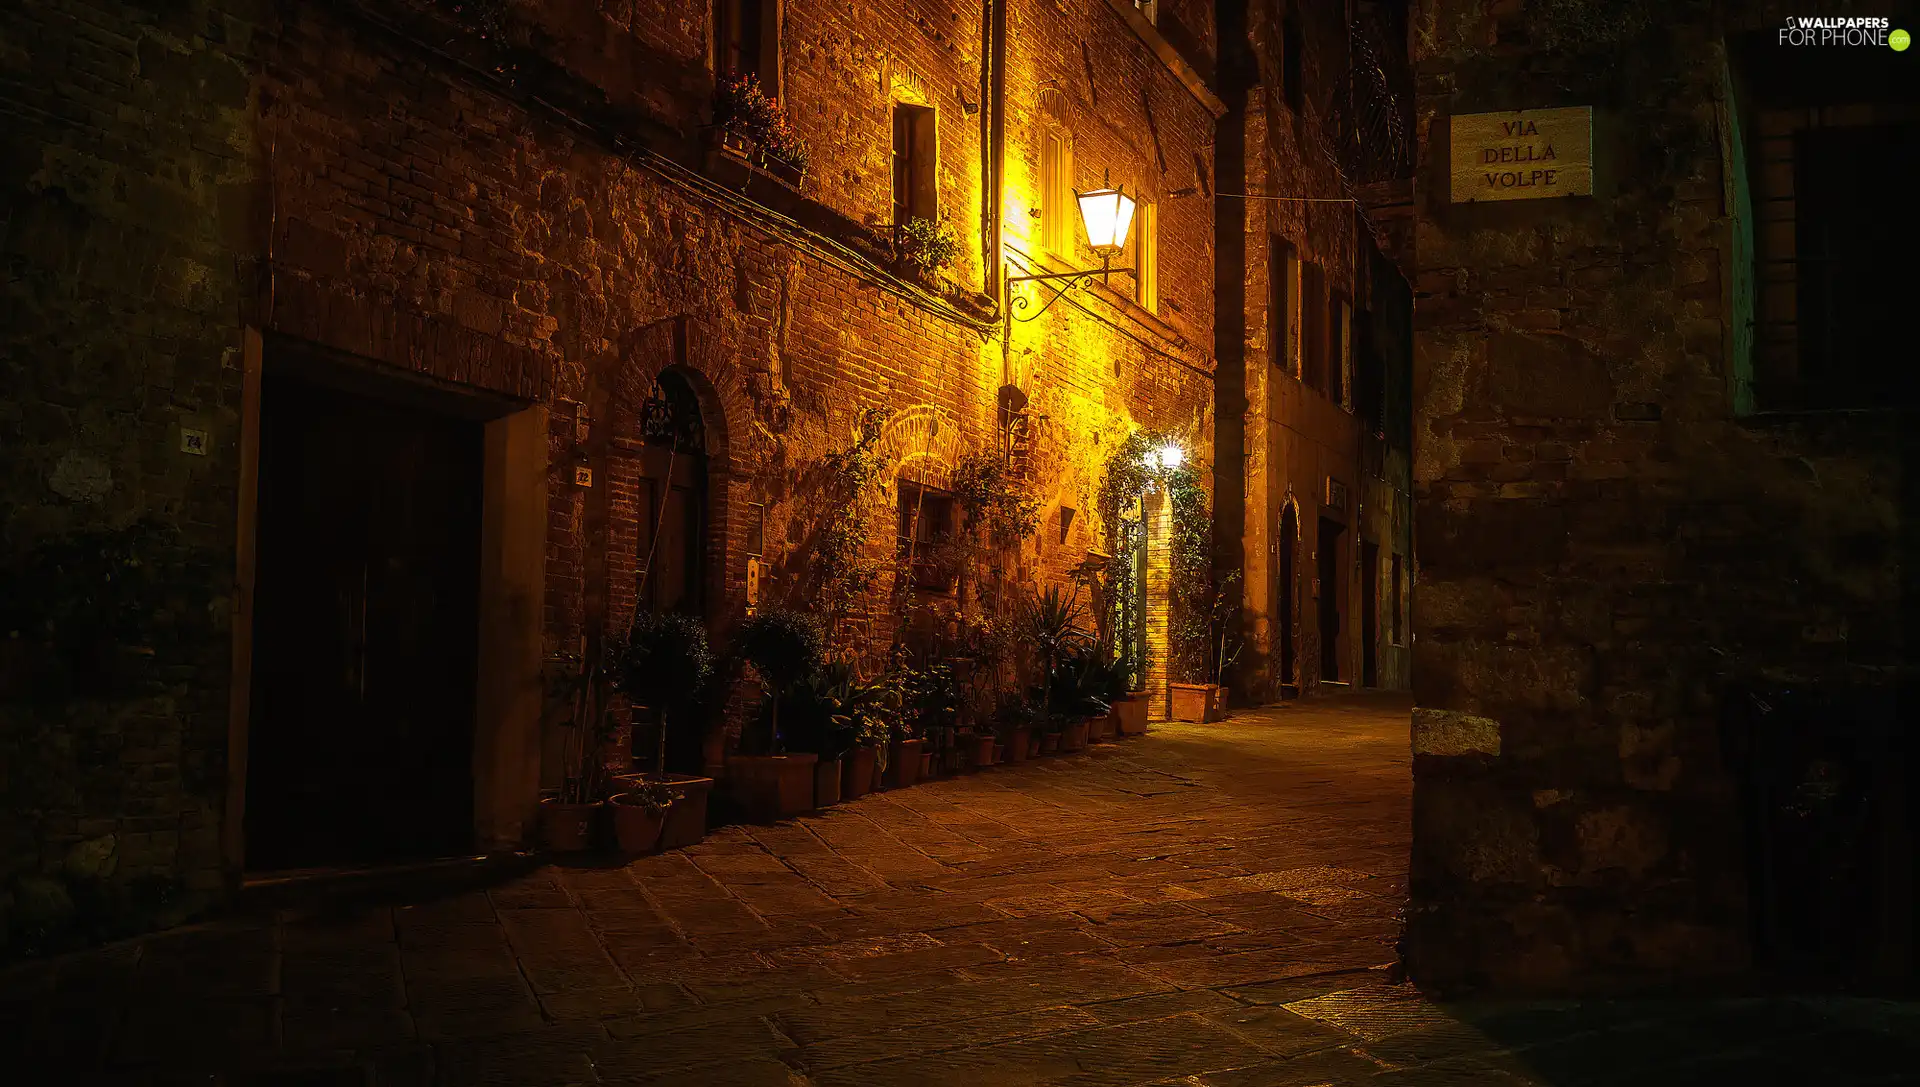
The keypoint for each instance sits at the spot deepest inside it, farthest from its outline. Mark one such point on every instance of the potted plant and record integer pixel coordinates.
(668, 667)
(1014, 715)
(784, 648)
(1206, 699)
(580, 691)
(640, 814)
(923, 249)
(871, 709)
(750, 125)
(930, 701)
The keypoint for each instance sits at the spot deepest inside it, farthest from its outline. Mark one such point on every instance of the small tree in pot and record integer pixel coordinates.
(667, 665)
(580, 689)
(784, 648)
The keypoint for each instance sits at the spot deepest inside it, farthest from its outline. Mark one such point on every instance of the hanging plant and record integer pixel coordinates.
(995, 499)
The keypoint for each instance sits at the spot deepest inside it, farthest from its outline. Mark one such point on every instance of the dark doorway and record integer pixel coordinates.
(1285, 612)
(1369, 614)
(1327, 556)
(365, 631)
(671, 510)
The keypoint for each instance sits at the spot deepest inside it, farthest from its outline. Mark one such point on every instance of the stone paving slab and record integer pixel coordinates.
(1205, 906)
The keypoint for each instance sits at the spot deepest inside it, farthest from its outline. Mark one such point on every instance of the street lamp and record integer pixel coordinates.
(1107, 214)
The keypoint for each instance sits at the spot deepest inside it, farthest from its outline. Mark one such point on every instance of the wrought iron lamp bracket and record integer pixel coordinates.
(1072, 280)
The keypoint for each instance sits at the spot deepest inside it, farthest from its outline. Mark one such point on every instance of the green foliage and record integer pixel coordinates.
(1129, 475)
(995, 499)
(784, 646)
(929, 693)
(924, 247)
(668, 661)
(1589, 24)
(655, 796)
(843, 570)
(580, 689)
(742, 109)
(833, 711)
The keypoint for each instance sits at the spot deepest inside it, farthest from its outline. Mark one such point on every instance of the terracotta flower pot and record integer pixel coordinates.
(1100, 728)
(687, 818)
(1074, 736)
(1199, 702)
(1019, 745)
(568, 828)
(1036, 741)
(904, 764)
(999, 753)
(1131, 716)
(826, 783)
(636, 828)
(772, 787)
(927, 760)
(1050, 743)
(856, 772)
(982, 751)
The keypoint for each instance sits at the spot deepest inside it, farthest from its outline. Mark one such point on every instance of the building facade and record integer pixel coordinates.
(1313, 458)
(1660, 656)
(440, 338)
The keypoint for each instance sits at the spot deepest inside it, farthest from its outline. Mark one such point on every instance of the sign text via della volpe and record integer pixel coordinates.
(1523, 155)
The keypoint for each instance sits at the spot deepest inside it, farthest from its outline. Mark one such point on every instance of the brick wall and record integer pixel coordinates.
(523, 214)
(1604, 548)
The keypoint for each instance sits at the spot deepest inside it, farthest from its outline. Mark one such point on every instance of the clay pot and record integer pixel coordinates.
(1050, 743)
(826, 783)
(1130, 715)
(1100, 728)
(772, 787)
(904, 764)
(1074, 736)
(687, 819)
(568, 828)
(1198, 702)
(636, 829)
(856, 772)
(982, 751)
(1018, 746)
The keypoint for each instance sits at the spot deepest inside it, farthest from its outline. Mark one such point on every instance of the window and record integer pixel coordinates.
(1396, 600)
(913, 164)
(1059, 214)
(1146, 256)
(925, 525)
(1313, 326)
(1340, 350)
(1852, 265)
(747, 40)
(1292, 49)
(1283, 268)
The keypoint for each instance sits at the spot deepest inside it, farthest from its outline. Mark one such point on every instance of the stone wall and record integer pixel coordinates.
(129, 175)
(1604, 548)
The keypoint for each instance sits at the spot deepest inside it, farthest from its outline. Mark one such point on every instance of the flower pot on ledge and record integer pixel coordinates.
(1198, 702)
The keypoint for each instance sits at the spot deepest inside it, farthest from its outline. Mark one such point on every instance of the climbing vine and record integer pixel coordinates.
(1131, 472)
(843, 568)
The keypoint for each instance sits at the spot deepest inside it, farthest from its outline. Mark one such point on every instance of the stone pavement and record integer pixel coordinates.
(1210, 906)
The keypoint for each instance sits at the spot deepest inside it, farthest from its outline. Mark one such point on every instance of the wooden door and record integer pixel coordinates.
(365, 631)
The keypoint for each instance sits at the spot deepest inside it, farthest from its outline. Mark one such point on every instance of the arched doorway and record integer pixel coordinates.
(1285, 579)
(672, 504)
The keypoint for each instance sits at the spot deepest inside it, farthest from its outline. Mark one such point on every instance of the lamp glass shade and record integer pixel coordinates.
(1108, 214)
